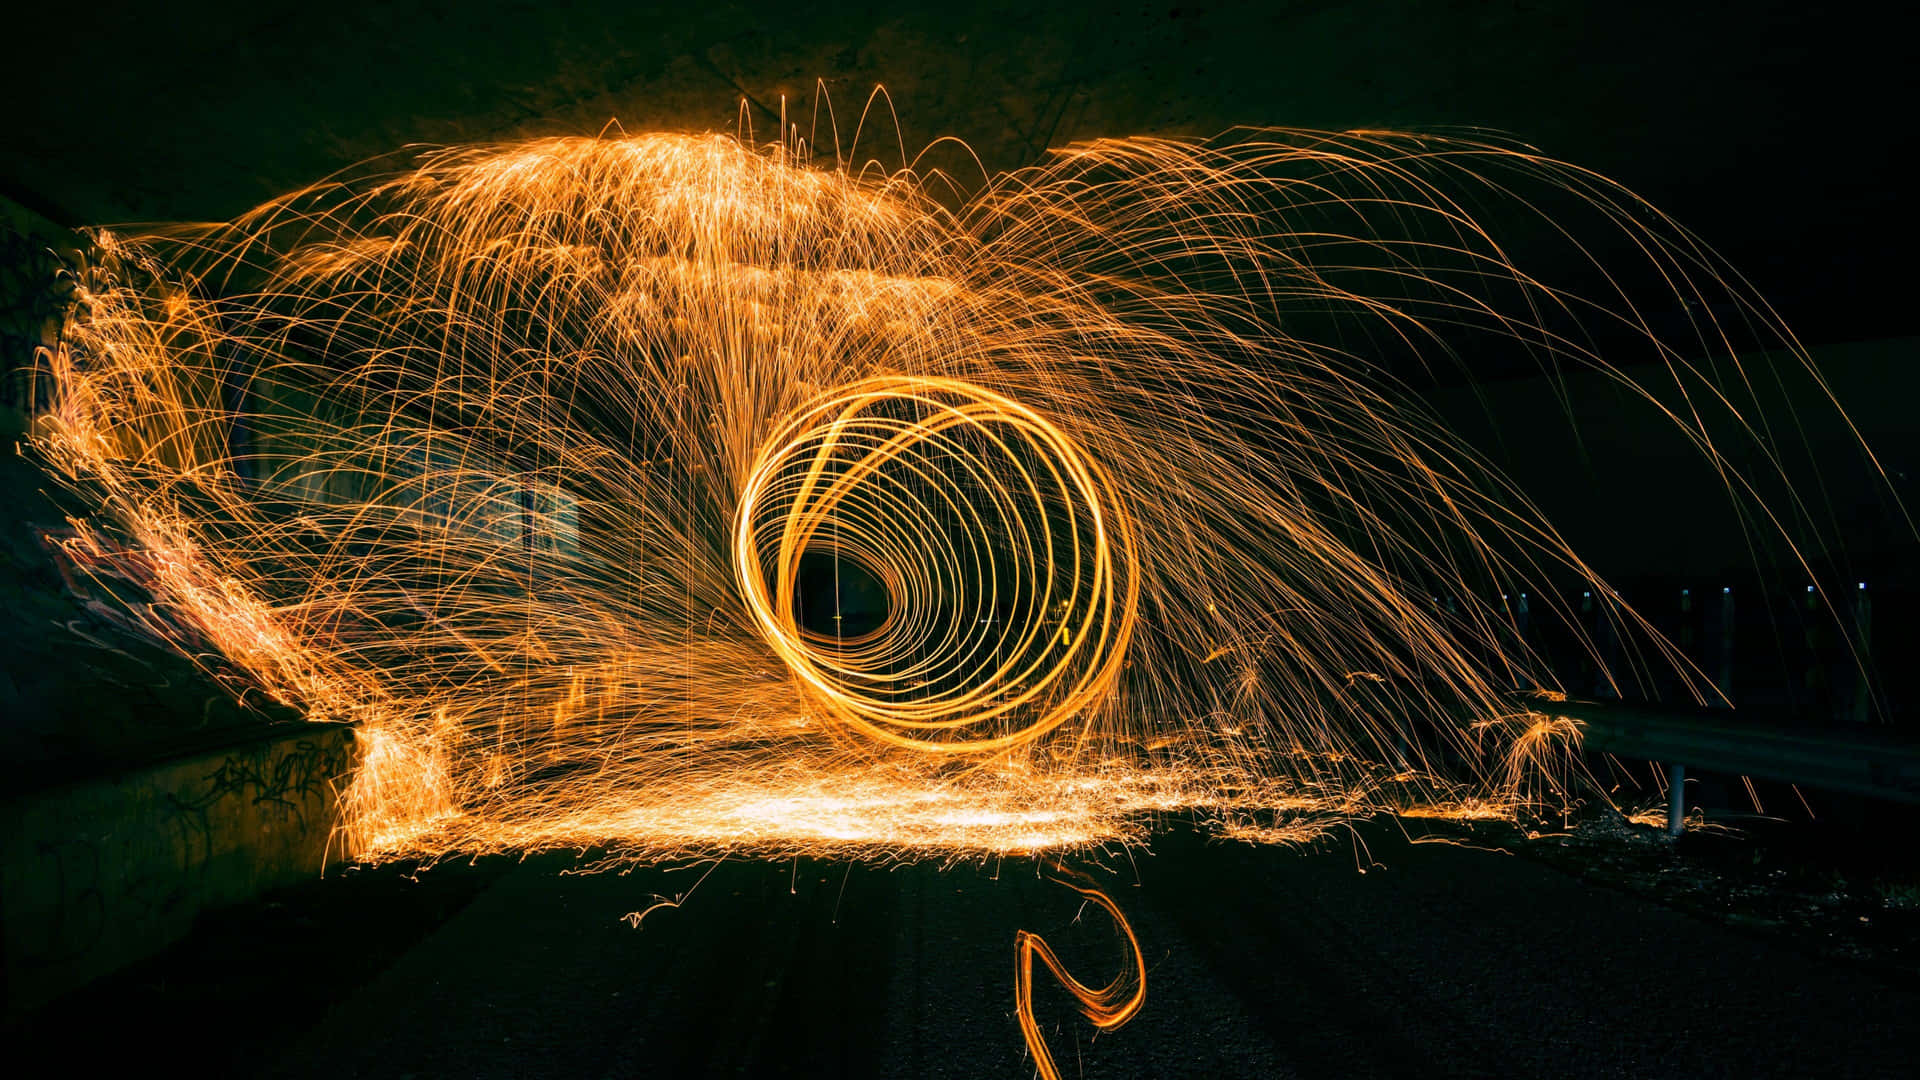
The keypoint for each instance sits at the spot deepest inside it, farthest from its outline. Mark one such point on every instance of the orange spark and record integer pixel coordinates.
(1108, 1007)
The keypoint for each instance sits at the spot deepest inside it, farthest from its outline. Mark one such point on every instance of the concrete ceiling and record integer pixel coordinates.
(1773, 129)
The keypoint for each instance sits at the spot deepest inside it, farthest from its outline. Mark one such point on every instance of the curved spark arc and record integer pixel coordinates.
(1108, 1007)
(512, 459)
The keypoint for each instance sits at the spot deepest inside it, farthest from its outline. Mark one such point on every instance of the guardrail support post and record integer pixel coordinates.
(1676, 799)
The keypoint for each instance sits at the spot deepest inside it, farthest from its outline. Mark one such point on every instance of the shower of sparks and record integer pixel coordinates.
(516, 460)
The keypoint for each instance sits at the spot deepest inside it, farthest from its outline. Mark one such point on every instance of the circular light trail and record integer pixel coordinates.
(1005, 561)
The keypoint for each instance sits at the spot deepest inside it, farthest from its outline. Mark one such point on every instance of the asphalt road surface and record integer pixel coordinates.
(1437, 961)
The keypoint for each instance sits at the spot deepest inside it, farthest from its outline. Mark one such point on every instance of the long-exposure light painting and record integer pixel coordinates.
(679, 496)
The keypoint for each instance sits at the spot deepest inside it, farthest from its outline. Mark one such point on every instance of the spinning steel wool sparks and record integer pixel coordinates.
(680, 496)
(878, 491)
(1108, 1008)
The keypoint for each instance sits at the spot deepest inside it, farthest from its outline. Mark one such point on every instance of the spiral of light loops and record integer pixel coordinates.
(1003, 555)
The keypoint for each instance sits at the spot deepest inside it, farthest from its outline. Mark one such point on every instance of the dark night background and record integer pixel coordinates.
(1780, 133)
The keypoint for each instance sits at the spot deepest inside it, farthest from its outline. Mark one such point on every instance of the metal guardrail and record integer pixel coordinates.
(1857, 761)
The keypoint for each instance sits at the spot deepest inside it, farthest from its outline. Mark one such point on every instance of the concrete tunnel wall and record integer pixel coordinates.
(98, 874)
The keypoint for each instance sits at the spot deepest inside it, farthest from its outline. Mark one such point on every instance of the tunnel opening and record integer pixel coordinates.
(838, 598)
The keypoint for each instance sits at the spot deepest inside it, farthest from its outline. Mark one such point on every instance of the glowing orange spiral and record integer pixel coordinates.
(1005, 559)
